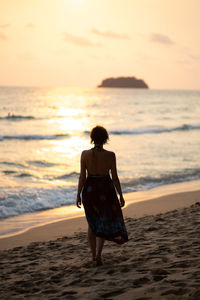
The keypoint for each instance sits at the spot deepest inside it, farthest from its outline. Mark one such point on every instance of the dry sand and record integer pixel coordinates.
(160, 261)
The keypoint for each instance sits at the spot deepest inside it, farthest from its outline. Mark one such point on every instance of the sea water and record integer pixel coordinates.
(154, 133)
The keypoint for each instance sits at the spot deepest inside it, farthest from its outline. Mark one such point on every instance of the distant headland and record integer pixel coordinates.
(123, 82)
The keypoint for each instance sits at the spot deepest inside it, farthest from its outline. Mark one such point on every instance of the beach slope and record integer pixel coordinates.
(160, 261)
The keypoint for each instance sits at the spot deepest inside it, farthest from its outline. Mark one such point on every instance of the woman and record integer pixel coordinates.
(100, 201)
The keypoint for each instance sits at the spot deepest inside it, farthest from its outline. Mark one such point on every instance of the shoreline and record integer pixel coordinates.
(139, 204)
(19, 224)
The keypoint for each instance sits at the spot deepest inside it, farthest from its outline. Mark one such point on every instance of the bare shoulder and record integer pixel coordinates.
(85, 153)
(111, 154)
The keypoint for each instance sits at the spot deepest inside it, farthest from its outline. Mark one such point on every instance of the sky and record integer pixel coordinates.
(82, 42)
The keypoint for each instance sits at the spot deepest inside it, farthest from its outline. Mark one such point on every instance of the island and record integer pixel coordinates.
(123, 82)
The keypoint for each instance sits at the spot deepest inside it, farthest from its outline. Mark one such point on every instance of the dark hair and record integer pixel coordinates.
(99, 135)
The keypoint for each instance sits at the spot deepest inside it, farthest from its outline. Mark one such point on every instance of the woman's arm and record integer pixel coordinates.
(82, 179)
(116, 181)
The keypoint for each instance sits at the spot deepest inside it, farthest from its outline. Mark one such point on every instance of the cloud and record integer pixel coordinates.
(110, 34)
(189, 53)
(78, 40)
(3, 37)
(194, 57)
(30, 25)
(4, 26)
(161, 38)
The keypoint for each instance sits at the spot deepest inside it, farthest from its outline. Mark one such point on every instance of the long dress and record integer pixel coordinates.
(102, 209)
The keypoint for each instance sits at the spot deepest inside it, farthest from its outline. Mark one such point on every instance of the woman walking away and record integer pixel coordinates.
(99, 197)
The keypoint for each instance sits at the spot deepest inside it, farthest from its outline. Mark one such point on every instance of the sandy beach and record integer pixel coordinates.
(160, 261)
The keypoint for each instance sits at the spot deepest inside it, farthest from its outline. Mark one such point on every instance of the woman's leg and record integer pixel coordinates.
(100, 243)
(92, 242)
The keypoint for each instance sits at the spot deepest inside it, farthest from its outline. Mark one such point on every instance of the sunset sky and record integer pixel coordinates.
(80, 42)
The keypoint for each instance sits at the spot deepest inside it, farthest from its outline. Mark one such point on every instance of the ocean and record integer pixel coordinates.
(154, 133)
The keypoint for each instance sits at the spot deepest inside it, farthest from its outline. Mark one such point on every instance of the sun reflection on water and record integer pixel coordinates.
(71, 147)
(70, 112)
(72, 124)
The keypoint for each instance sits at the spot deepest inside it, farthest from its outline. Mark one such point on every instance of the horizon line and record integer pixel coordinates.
(96, 87)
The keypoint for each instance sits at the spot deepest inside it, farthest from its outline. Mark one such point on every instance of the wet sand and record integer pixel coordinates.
(160, 261)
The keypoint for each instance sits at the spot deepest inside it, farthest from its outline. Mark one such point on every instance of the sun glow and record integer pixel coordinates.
(74, 2)
(65, 42)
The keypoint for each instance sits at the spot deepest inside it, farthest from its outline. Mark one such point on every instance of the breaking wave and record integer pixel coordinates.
(184, 127)
(33, 137)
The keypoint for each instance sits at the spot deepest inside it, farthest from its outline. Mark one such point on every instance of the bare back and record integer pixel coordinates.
(98, 162)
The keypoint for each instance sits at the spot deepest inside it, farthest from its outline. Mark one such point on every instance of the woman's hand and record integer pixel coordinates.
(121, 201)
(78, 201)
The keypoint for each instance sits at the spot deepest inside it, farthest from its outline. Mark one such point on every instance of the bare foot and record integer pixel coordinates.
(99, 261)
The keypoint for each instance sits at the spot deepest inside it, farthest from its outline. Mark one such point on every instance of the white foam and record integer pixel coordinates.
(14, 202)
